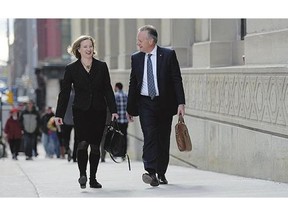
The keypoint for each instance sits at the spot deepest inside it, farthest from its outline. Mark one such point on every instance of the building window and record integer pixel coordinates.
(243, 29)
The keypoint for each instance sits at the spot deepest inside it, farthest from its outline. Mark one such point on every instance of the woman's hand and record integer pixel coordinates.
(58, 121)
(114, 116)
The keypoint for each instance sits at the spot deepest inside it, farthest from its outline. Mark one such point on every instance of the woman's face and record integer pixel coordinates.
(86, 49)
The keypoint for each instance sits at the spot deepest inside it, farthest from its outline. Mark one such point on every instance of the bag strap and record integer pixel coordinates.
(128, 160)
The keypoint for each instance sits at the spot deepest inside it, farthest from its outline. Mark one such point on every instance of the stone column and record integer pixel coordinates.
(223, 47)
(111, 42)
(75, 29)
(182, 39)
(99, 35)
(165, 32)
(127, 42)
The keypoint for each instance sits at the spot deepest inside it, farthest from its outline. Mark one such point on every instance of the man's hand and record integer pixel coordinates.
(129, 117)
(181, 110)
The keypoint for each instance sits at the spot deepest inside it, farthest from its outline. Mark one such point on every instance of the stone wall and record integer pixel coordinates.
(237, 119)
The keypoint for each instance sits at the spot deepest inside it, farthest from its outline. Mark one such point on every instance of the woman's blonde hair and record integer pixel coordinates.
(73, 48)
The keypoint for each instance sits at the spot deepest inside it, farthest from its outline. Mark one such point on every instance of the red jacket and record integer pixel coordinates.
(13, 129)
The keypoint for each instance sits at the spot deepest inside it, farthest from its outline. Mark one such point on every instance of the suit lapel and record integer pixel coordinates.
(159, 61)
(141, 66)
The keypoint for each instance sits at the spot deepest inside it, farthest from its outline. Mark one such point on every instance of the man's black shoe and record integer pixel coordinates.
(82, 181)
(162, 179)
(150, 179)
(95, 184)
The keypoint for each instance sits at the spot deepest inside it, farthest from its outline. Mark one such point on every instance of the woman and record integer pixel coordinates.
(93, 93)
(13, 133)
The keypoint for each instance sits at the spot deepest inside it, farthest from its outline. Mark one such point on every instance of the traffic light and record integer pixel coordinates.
(10, 97)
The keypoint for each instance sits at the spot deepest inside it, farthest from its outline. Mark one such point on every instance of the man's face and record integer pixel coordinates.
(30, 106)
(144, 43)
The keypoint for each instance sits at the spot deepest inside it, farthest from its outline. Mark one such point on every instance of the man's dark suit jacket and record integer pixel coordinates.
(96, 90)
(171, 91)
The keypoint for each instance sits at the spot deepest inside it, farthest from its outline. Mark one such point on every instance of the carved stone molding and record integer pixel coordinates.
(253, 97)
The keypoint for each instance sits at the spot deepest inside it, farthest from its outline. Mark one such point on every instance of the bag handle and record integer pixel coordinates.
(181, 119)
(114, 123)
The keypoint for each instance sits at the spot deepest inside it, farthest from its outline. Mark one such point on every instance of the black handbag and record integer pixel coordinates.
(114, 143)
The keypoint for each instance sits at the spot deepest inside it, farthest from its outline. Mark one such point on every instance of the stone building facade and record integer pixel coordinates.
(236, 84)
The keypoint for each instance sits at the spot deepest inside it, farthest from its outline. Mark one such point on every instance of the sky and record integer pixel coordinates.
(3, 39)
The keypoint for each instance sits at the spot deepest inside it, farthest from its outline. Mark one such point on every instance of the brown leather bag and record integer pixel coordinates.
(182, 135)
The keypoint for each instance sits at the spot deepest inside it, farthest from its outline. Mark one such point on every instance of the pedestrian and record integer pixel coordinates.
(155, 93)
(13, 132)
(121, 102)
(37, 132)
(49, 150)
(30, 121)
(53, 131)
(93, 93)
(67, 128)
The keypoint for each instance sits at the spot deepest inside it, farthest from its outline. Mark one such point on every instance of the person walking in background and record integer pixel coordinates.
(155, 93)
(121, 102)
(37, 132)
(49, 150)
(13, 132)
(67, 127)
(93, 93)
(53, 130)
(30, 121)
(60, 140)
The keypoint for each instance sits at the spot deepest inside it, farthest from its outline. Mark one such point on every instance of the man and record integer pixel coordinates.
(30, 122)
(155, 93)
(121, 102)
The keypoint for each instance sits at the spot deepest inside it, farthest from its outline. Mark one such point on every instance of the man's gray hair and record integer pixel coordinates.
(152, 32)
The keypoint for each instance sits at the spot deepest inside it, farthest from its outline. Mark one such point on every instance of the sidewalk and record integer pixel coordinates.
(57, 178)
(44, 177)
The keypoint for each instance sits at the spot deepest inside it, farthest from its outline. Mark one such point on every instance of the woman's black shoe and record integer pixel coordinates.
(82, 181)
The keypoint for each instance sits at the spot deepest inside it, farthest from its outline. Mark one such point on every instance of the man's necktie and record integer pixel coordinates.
(150, 78)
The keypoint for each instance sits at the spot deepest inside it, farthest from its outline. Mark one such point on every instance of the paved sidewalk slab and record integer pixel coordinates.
(44, 177)
(57, 178)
